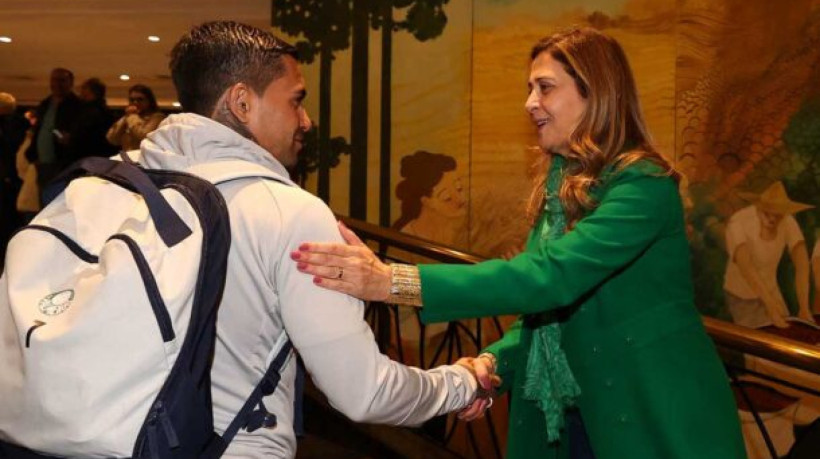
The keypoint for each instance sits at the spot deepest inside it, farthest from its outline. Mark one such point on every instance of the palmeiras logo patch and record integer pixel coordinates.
(56, 303)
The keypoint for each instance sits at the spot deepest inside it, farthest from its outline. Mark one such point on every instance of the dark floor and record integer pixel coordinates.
(330, 435)
(315, 447)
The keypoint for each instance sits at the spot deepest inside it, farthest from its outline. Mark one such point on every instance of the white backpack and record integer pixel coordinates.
(108, 308)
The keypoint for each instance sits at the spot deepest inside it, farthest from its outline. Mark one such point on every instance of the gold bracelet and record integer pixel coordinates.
(405, 285)
(491, 358)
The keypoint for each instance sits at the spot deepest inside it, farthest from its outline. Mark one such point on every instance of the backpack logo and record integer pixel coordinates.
(56, 303)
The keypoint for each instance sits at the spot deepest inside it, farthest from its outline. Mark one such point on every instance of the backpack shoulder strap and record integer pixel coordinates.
(169, 225)
(249, 418)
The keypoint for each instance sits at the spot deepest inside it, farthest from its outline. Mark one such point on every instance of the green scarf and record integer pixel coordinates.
(549, 380)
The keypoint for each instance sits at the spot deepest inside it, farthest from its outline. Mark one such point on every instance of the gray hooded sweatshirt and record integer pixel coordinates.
(265, 296)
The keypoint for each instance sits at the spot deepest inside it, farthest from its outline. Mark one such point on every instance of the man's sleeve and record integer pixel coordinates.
(338, 348)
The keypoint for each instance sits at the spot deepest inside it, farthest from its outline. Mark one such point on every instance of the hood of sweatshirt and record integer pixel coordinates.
(185, 140)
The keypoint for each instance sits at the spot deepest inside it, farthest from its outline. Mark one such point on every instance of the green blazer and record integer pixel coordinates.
(620, 284)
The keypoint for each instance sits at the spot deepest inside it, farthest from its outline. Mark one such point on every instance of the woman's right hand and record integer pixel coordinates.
(350, 268)
(483, 369)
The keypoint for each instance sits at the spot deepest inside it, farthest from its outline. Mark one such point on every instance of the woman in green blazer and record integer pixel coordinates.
(608, 333)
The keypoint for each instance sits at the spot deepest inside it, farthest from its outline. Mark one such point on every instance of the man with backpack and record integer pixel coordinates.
(242, 91)
(249, 81)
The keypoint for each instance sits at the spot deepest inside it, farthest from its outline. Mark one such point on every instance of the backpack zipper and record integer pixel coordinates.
(158, 417)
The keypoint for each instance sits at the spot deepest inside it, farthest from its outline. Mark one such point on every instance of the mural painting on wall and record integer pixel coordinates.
(350, 45)
(433, 199)
(748, 139)
(390, 142)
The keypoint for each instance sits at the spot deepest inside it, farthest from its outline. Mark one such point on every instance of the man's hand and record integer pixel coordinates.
(482, 368)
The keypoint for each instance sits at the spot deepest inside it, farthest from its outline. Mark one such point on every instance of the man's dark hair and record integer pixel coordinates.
(216, 55)
(97, 87)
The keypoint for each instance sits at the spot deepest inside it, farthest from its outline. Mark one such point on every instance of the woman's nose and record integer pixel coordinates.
(531, 103)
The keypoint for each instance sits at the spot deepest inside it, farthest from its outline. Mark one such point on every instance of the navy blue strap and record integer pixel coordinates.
(126, 158)
(169, 225)
(298, 400)
(248, 417)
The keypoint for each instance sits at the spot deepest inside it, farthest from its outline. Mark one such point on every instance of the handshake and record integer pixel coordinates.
(483, 370)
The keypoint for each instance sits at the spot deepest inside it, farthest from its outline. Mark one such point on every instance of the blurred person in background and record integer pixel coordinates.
(89, 136)
(142, 116)
(13, 128)
(57, 114)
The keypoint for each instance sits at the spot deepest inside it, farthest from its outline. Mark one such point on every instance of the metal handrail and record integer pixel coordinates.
(766, 345)
(725, 334)
(418, 246)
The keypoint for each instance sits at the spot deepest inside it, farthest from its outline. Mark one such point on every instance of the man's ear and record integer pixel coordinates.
(239, 100)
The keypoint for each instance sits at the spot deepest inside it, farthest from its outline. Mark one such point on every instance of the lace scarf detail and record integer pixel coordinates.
(549, 380)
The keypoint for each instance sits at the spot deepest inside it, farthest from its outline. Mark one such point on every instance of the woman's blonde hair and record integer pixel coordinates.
(612, 130)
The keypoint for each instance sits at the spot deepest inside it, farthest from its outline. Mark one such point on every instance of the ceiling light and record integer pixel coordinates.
(153, 38)
(176, 104)
(124, 77)
(5, 39)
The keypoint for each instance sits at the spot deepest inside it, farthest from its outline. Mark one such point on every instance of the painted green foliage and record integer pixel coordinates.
(706, 238)
(802, 140)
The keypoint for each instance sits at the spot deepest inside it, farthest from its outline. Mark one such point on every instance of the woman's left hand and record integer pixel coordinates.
(350, 268)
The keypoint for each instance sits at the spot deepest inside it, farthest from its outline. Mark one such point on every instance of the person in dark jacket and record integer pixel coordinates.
(93, 121)
(57, 116)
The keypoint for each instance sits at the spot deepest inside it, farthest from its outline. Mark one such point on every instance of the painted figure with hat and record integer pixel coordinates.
(756, 237)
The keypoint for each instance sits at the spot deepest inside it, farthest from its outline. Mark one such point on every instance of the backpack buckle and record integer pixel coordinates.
(260, 417)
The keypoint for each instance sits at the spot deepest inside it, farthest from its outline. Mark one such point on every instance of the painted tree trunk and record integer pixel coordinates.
(358, 110)
(323, 180)
(386, 114)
